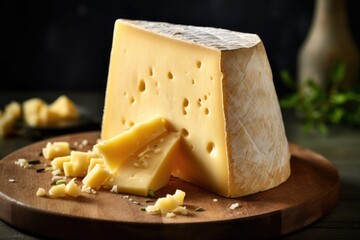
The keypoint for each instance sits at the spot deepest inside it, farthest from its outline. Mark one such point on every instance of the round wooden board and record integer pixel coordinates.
(310, 193)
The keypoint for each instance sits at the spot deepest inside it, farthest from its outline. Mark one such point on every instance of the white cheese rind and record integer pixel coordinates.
(217, 38)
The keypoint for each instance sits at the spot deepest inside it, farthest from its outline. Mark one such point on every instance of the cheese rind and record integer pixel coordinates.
(213, 86)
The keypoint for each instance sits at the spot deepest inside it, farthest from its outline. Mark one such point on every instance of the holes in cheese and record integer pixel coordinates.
(210, 148)
(142, 85)
(198, 64)
(170, 75)
(184, 132)
(185, 105)
(206, 111)
(132, 100)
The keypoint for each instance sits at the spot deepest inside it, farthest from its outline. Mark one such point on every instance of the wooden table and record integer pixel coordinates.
(341, 147)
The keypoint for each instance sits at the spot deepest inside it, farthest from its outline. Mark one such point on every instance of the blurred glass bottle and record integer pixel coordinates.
(329, 40)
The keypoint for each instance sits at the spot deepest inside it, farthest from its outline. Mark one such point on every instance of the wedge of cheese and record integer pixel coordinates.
(215, 87)
(149, 168)
(117, 149)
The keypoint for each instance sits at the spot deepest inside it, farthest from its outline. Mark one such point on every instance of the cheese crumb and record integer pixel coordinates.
(41, 192)
(23, 163)
(56, 172)
(170, 215)
(85, 142)
(215, 200)
(158, 150)
(86, 189)
(114, 189)
(11, 180)
(234, 205)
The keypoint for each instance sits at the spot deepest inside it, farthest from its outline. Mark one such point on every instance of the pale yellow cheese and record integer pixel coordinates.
(78, 164)
(97, 176)
(149, 168)
(11, 114)
(56, 149)
(14, 109)
(169, 204)
(213, 86)
(6, 125)
(57, 191)
(37, 113)
(179, 196)
(65, 108)
(94, 161)
(72, 188)
(57, 163)
(41, 192)
(120, 147)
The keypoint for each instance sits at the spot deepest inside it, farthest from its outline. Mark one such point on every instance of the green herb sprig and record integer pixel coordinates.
(320, 106)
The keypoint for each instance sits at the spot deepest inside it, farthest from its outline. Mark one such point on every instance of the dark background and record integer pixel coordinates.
(65, 45)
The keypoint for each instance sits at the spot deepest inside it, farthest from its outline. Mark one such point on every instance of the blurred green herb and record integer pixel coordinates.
(320, 107)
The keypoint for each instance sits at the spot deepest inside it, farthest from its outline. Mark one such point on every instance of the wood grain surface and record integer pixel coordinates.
(310, 193)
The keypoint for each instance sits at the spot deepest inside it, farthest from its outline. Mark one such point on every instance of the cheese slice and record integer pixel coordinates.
(149, 168)
(214, 86)
(120, 147)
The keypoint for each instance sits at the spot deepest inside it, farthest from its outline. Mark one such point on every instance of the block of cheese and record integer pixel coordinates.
(78, 164)
(65, 108)
(56, 149)
(97, 176)
(215, 87)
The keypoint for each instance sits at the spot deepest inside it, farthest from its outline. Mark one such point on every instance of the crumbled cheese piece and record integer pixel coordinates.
(136, 202)
(215, 200)
(234, 205)
(85, 142)
(181, 209)
(86, 189)
(57, 191)
(56, 172)
(55, 178)
(49, 168)
(11, 180)
(72, 188)
(114, 189)
(158, 150)
(169, 204)
(140, 155)
(23, 163)
(170, 215)
(41, 192)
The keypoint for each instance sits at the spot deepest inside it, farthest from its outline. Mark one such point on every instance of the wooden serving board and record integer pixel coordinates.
(310, 193)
